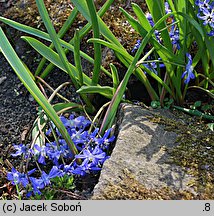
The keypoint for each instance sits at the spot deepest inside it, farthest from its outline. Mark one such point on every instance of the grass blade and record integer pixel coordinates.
(97, 47)
(103, 90)
(77, 58)
(82, 33)
(53, 57)
(47, 22)
(115, 77)
(45, 36)
(60, 34)
(31, 86)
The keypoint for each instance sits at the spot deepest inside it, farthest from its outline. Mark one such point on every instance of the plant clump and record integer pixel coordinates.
(55, 159)
(149, 40)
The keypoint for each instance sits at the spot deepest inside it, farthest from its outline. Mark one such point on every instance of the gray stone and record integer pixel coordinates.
(140, 151)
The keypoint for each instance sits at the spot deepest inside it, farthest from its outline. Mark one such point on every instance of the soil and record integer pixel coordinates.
(18, 109)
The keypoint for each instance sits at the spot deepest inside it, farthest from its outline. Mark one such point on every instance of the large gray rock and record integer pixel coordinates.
(140, 152)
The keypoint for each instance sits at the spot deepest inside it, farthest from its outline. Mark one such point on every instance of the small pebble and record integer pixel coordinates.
(30, 98)
(2, 79)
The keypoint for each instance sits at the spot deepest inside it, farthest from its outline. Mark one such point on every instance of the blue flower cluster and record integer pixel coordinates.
(188, 73)
(92, 152)
(206, 13)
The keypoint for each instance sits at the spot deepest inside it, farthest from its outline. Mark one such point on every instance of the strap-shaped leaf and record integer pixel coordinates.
(45, 36)
(60, 34)
(97, 47)
(53, 35)
(31, 86)
(103, 90)
(53, 57)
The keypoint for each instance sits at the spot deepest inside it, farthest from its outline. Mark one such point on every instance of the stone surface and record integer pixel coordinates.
(140, 151)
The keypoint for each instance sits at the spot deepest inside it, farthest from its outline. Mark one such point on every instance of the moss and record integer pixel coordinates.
(193, 151)
(131, 189)
(26, 12)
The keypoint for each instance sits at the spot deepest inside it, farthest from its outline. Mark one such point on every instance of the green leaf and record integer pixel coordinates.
(97, 47)
(141, 17)
(211, 126)
(45, 36)
(60, 34)
(61, 107)
(197, 104)
(31, 86)
(48, 24)
(206, 107)
(115, 77)
(155, 104)
(103, 90)
(53, 57)
(77, 58)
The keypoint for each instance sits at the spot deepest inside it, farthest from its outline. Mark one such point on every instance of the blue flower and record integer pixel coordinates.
(80, 122)
(16, 177)
(36, 186)
(188, 73)
(41, 153)
(67, 169)
(53, 152)
(94, 133)
(80, 137)
(153, 65)
(150, 19)
(203, 4)
(21, 149)
(82, 169)
(174, 35)
(136, 46)
(45, 178)
(211, 33)
(104, 141)
(208, 17)
(85, 168)
(67, 122)
(91, 145)
(167, 8)
(158, 36)
(94, 157)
